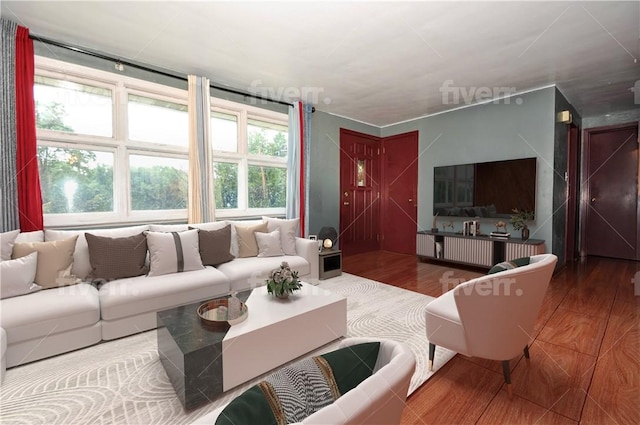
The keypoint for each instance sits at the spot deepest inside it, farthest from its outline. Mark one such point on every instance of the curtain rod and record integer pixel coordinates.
(146, 68)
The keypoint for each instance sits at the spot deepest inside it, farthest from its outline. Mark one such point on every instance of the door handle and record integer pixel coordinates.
(410, 200)
(345, 203)
(593, 199)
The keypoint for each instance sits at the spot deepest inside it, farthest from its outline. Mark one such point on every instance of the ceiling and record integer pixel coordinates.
(375, 62)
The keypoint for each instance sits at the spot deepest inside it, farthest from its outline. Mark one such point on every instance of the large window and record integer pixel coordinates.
(114, 149)
(250, 166)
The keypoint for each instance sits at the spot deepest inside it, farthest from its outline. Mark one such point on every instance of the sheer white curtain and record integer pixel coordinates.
(293, 164)
(201, 205)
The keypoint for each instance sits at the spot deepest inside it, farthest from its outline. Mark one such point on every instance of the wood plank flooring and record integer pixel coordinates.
(585, 358)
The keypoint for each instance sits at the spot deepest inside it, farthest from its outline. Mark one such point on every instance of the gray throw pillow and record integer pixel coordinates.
(215, 246)
(117, 258)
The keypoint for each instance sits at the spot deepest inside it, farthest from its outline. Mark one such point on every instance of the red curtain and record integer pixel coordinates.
(29, 195)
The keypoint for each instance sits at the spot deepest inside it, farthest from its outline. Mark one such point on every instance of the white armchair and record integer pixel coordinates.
(379, 399)
(492, 316)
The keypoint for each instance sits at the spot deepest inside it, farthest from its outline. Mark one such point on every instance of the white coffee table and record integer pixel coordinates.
(277, 331)
(202, 362)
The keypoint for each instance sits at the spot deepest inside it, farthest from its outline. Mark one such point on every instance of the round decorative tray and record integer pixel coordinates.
(218, 313)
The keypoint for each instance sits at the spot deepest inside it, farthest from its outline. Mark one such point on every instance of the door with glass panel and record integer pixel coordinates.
(359, 192)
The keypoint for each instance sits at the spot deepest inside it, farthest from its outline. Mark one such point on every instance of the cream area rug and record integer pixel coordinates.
(123, 382)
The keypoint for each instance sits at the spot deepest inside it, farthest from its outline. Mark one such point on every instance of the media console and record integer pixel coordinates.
(479, 251)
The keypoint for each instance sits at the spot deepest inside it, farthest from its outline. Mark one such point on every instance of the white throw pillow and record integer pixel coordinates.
(7, 239)
(269, 244)
(168, 227)
(173, 252)
(17, 276)
(288, 230)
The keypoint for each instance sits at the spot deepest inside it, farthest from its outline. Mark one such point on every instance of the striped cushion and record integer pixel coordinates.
(299, 390)
(508, 265)
(173, 252)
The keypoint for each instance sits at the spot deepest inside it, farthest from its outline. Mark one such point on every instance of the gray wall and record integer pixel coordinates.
(517, 127)
(612, 119)
(324, 168)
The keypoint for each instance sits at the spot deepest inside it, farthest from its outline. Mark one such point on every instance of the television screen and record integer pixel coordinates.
(485, 189)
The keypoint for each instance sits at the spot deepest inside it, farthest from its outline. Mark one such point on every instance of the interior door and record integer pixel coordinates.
(400, 193)
(611, 228)
(359, 192)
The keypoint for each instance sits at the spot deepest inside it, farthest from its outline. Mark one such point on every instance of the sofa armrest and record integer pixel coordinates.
(308, 249)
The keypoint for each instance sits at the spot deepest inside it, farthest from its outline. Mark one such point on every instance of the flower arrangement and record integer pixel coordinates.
(283, 281)
(520, 218)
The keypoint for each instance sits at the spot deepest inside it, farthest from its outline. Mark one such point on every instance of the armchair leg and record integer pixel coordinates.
(526, 352)
(432, 353)
(507, 377)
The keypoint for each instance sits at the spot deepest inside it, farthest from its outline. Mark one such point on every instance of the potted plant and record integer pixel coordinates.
(519, 221)
(283, 281)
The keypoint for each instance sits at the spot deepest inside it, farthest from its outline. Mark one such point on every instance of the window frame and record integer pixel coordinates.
(122, 146)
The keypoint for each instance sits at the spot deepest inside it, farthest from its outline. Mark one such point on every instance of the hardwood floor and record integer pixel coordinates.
(585, 357)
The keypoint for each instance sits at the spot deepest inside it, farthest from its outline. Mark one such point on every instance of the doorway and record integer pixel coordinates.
(610, 192)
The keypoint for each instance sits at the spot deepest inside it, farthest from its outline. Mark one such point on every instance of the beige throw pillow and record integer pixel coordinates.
(54, 261)
(247, 246)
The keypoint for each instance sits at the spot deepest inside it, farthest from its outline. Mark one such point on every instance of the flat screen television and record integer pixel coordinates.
(485, 189)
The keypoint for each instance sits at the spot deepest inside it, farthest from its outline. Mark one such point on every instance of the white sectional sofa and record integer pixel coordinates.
(53, 321)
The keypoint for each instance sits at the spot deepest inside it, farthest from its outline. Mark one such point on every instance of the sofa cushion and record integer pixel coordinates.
(50, 311)
(168, 228)
(235, 250)
(142, 294)
(54, 261)
(269, 244)
(81, 264)
(288, 230)
(7, 239)
(508, 265)
(115, 258)
(17, 276)
(252, 272)
(247, 245)
(173, 252)
(35, 236)
(215, 246)
(294, 392)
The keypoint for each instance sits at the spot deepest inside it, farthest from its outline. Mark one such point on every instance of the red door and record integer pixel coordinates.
(359, 192)
(399, 194)
(611, 228)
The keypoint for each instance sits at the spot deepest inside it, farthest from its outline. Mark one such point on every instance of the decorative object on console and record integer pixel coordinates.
(446, 225)
(434, 224)
(500, 233)
(327, 244)
(519, 221)
(328, 233)
(283, 281)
